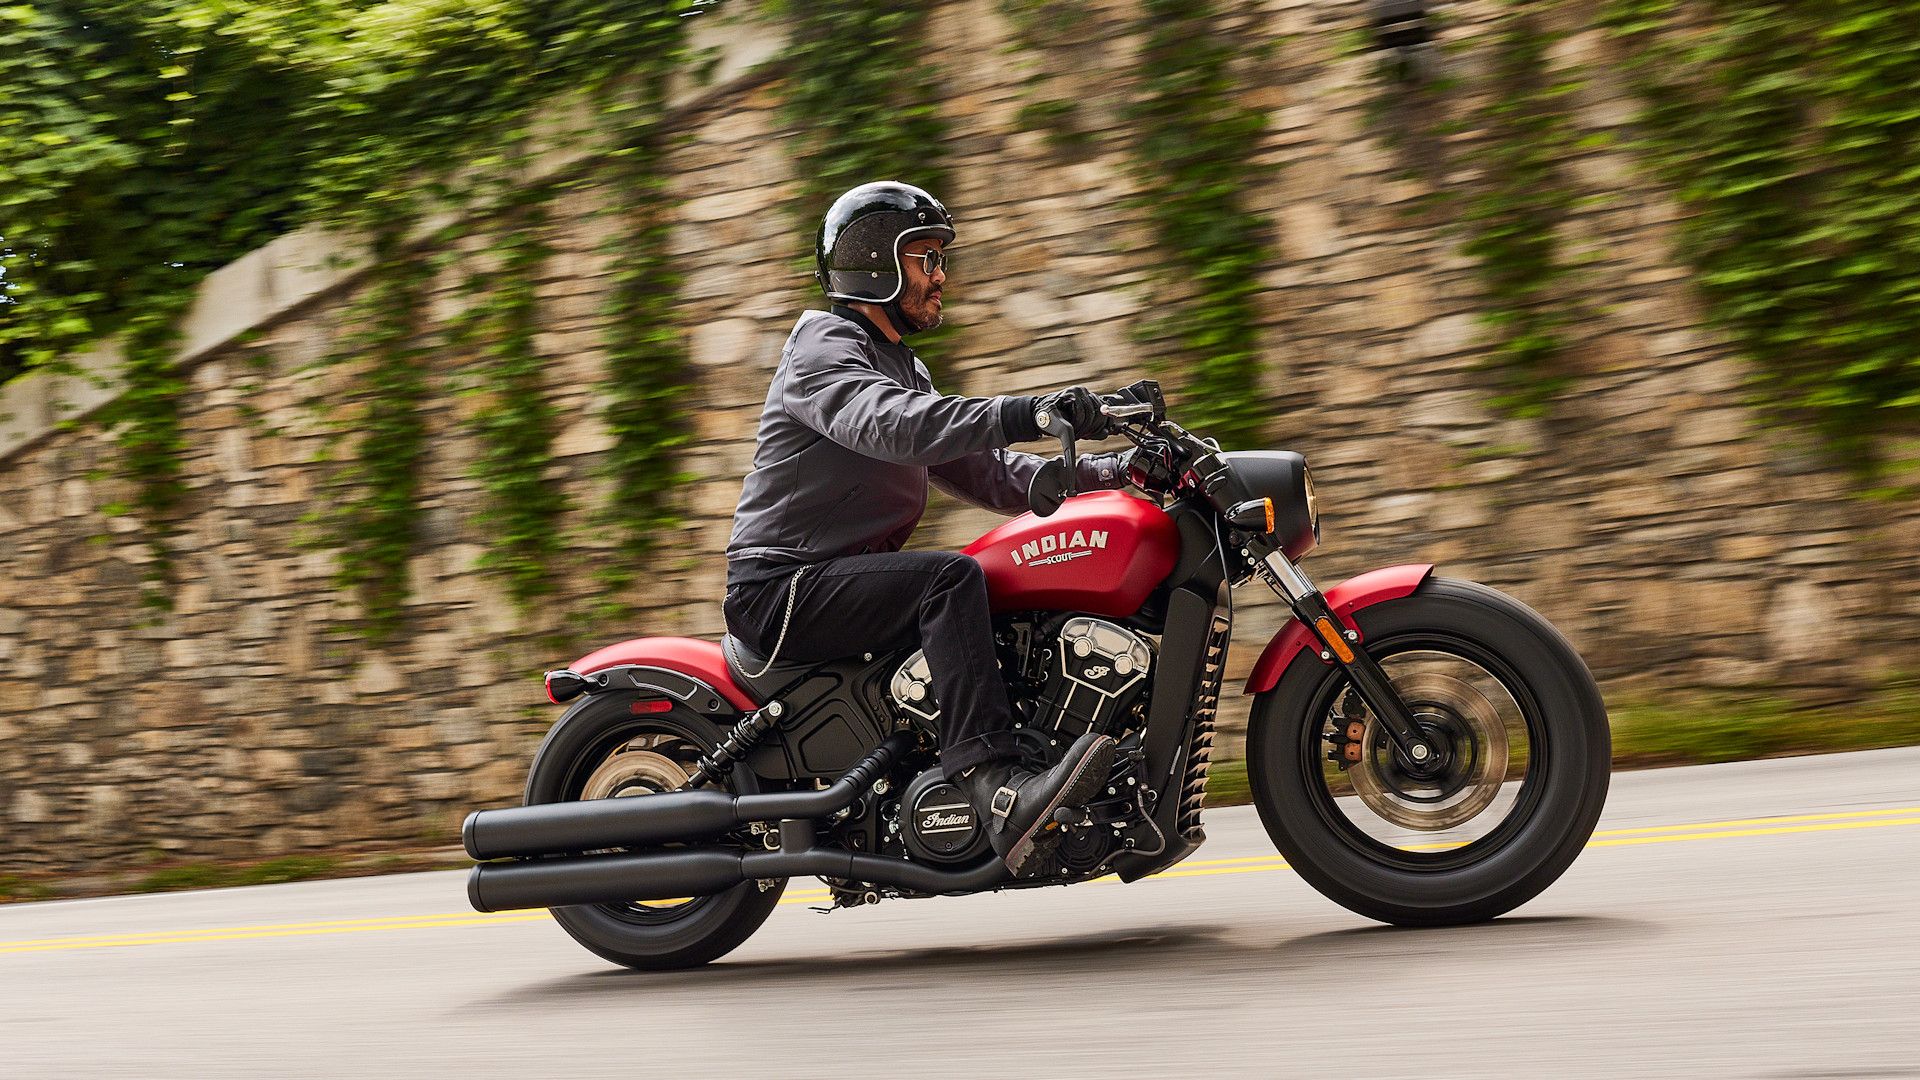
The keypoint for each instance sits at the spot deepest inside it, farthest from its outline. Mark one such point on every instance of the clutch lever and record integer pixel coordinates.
(1058, 427)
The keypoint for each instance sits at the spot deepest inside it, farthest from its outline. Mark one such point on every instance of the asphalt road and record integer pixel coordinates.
(1750, 920)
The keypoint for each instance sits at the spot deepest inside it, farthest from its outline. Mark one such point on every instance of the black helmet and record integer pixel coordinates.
(857, 254)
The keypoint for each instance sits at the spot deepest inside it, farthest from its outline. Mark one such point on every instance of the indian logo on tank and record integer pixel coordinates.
(1059, 547)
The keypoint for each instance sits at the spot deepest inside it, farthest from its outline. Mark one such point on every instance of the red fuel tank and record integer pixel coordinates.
(1101, 553)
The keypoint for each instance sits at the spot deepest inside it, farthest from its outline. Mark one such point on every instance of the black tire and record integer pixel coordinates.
(1553, 810)
(644, 937)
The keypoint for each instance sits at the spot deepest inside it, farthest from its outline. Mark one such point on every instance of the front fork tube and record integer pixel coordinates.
(1340, 645)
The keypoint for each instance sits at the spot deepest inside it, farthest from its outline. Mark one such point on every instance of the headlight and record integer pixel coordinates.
(1279, 475)
(1313, 503)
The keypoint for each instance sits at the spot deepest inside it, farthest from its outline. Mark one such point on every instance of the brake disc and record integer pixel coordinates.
(628, 771)
(1477, 756)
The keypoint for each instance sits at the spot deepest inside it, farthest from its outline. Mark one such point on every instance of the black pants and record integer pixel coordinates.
(893, 600)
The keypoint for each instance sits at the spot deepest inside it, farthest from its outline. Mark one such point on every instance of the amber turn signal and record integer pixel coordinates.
(1252, 514)
(1331, 635)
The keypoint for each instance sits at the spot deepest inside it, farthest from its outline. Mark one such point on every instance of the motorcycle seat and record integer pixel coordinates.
(743, 661)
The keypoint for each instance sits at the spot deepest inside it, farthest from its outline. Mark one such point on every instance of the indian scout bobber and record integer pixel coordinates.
(1422, 750)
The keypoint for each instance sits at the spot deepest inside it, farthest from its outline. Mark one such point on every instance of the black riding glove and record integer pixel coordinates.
(1078, 407)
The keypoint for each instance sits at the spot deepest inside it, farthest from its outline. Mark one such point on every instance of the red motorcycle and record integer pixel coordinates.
(1422, 750)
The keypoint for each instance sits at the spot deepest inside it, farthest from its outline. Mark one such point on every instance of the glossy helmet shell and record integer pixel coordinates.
(857, 254)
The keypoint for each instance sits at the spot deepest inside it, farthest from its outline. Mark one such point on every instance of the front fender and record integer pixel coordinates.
(1372, 587)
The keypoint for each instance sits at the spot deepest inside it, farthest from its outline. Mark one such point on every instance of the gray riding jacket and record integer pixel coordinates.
(852, 432)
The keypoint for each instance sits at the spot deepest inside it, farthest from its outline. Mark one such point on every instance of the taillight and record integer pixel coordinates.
(563, 686)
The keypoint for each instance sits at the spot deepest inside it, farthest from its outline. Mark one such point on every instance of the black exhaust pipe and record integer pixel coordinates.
(664, 875)
(669, 817)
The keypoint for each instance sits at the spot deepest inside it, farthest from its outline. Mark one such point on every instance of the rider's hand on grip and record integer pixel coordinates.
(1078, 407)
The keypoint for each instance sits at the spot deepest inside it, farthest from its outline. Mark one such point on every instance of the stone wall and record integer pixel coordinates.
(1677, 542)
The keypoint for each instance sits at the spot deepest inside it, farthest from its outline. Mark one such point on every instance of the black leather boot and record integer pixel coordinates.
(1017, 804)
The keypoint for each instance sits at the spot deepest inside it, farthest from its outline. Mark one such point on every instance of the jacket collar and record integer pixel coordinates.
(874, 333)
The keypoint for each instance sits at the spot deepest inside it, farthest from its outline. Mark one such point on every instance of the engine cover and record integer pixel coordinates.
(1098, 664)
(912, 688)
(938, 825)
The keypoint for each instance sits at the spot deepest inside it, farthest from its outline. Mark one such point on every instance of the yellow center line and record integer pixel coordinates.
(1651, 834)
(1794, 819)
(188, 937)
(1829, 826)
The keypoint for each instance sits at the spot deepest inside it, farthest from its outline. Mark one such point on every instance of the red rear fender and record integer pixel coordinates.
(1386, 583)
(693, 658)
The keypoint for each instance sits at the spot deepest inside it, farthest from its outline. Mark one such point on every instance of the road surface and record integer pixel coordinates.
(1760, 919)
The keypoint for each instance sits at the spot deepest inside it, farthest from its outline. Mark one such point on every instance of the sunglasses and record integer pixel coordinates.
(930, 260)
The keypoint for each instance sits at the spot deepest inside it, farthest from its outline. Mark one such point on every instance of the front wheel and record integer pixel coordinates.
(1525, 753)
(602, 750)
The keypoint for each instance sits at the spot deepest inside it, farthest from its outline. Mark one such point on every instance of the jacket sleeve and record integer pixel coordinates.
(833, 388)
(998, 479)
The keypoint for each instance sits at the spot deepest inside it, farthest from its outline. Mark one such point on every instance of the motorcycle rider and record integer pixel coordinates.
(850, 436)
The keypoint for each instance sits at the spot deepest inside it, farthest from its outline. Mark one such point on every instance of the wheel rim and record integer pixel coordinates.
(633, 763)
(1469, 704)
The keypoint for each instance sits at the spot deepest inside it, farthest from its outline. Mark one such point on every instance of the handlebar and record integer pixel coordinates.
(1144, 424)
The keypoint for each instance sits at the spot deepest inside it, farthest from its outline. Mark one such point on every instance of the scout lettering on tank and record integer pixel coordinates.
(1059, 547)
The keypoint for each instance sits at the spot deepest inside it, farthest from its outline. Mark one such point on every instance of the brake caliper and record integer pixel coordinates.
(1347, 736)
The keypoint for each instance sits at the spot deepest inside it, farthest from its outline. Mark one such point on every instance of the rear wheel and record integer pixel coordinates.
(1524, 752)
(604, 751)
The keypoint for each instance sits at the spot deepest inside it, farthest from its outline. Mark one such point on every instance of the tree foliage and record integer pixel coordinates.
(143, 144)
(146, 142)
(1791, 133)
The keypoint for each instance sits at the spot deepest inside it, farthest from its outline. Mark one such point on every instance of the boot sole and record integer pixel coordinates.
(1040, 840)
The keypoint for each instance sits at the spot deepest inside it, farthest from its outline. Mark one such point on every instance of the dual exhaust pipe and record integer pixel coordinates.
(534, 834)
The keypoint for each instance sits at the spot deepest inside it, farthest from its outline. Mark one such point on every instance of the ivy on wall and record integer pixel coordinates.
(144, 144)
(1193, 145)
(373, 514)
(1514, 216)
(1192, 153)
(861, 93)
(146, 423)
(520, 518)
(1055, 34)
(1789, 133)
(649, 372)
(1504, 121)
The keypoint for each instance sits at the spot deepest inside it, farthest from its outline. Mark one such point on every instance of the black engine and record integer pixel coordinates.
(1074, 675)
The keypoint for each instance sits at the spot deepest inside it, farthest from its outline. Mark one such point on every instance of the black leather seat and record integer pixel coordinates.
(741, 661)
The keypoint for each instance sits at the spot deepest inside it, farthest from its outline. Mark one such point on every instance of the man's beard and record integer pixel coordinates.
(918, 305)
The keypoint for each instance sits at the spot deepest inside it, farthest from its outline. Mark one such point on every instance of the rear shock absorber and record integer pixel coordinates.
(739, 741)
